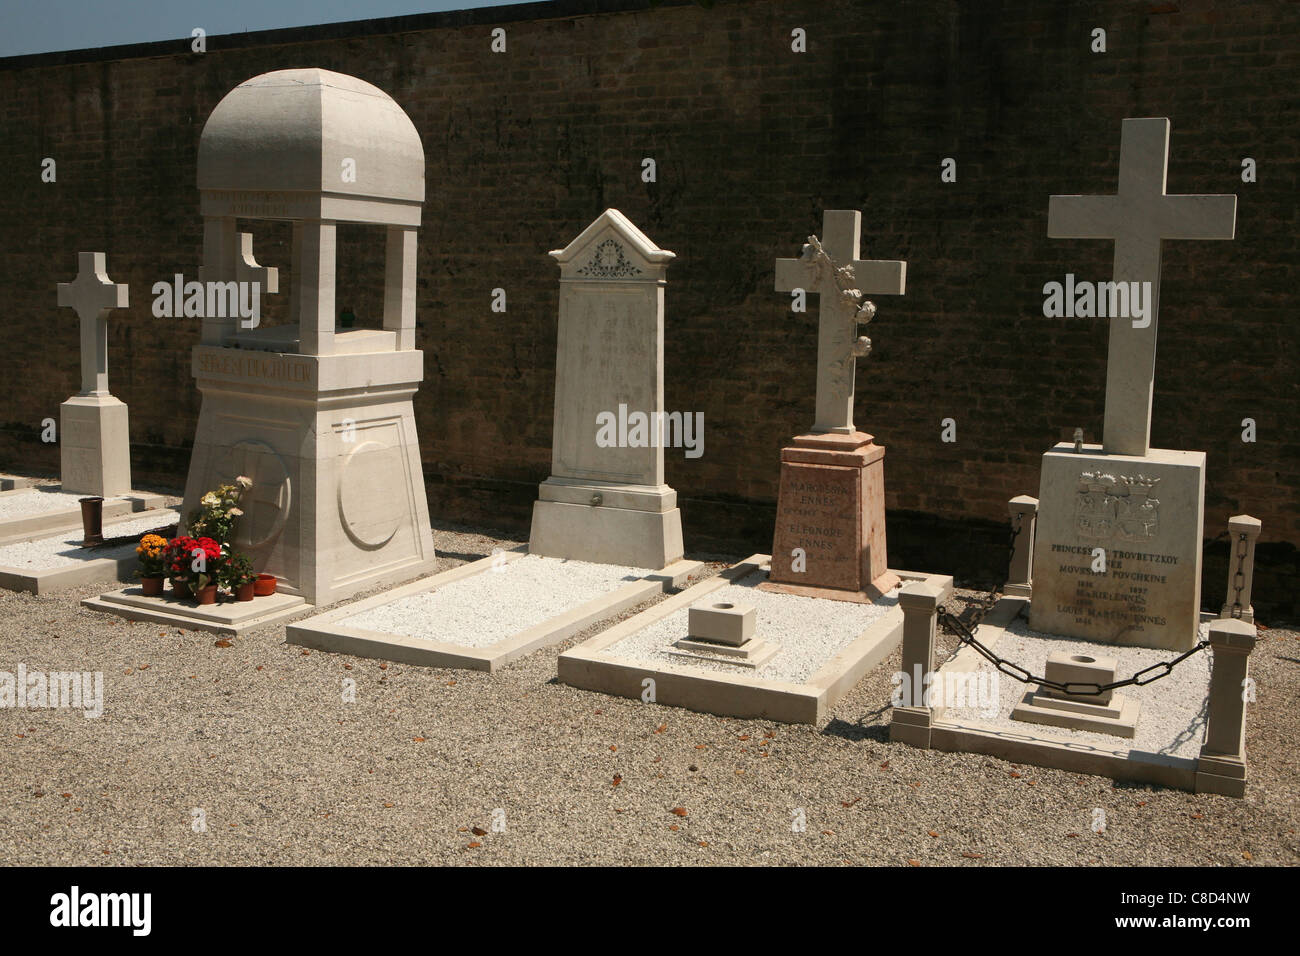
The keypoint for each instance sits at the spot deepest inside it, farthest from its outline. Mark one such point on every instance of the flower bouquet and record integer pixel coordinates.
(151, 551)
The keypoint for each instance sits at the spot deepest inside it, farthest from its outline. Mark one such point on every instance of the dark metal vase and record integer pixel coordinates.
(92, 521)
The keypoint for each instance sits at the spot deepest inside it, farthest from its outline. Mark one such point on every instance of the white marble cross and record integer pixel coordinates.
(92, 295)
(837, 321)
(1138, 218)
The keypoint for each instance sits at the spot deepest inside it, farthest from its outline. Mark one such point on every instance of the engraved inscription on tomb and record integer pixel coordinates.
(816, 514)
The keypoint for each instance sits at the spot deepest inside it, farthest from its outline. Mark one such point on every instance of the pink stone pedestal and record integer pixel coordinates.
(832, 505)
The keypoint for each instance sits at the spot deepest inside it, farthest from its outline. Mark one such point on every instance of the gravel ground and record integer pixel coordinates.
(487, 608)
(256, 736)
(809, 632)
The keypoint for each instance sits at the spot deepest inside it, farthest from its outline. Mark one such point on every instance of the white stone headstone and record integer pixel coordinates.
(606, 500)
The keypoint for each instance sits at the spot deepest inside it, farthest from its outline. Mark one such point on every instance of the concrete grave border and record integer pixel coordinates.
(928, 728)
(14, 483)
(65, 519)
(324, 632)
(590, 667)
(94, 571)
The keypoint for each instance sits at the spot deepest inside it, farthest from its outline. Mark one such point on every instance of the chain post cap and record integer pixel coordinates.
(1232, 634)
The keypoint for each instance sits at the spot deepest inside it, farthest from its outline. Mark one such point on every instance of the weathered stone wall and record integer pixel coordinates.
(752, 141)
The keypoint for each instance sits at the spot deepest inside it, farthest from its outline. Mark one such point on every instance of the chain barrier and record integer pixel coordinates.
(964, 631)
(1239, 579)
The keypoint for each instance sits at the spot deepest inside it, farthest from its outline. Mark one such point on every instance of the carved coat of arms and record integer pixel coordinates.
(1116, 506)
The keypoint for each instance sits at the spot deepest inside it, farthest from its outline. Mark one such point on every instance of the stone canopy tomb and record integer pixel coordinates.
(321, 419)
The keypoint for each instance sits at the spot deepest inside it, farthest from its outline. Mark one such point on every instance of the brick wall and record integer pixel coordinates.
(752, 141)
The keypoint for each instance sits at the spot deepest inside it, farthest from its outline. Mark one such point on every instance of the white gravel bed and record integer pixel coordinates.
(488, 607)
(65, 550)
(809, 631)
(1172, 718)
(35, 501)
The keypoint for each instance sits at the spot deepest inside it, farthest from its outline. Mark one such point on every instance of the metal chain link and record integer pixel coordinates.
(965, 633)
(1239, 579)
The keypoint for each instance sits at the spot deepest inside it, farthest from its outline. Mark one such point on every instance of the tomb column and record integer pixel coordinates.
(315, 290)
(1024, 520)
(220, 255)
(1222, 764)
(399, 285)
(1243, 532)
(920, 603)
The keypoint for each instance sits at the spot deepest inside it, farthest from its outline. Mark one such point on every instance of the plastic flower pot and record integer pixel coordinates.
(181, 589)
(264, 586)
(152, 586)
(92, 521)
(245, 592)
(207, 595)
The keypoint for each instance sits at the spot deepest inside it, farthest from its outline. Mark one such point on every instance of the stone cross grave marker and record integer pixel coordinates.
(1139, 217)
(839, 286)
(92, 296)
(94, 432)
(1117, 551)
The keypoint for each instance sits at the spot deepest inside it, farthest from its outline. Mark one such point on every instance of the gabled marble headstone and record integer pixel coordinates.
(606, 500)
(1117, 551)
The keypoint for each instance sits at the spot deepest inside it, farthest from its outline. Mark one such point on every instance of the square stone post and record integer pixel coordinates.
(295, 274)
(920, 603)
(316, 289)
(1024, 518)
(1221, 767)
(1243, 532)
(220, 258)
(399, 285)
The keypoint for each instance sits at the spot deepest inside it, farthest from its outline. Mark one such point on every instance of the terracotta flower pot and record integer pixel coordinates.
(245, 592)
(207, 595)
(152, 586)
(265, 585)
(181, 589)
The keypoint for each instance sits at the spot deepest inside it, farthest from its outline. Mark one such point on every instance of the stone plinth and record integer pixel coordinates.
(337, 503)
(1146, 514)
(830, 519)
(95, 446)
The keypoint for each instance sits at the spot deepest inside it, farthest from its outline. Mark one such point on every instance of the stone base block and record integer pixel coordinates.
(830, 519)
(753, 653)
(13, 482)
(1146, 515)
(1221, 774)
(1118, 718)
(606, 535)
(95, 446)
(229, 618)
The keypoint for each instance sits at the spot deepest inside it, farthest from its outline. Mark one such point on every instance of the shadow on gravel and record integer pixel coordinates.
(859, 731)
(460, 556)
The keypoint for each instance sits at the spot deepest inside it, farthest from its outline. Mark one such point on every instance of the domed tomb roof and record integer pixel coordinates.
(291, 131)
